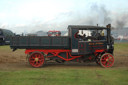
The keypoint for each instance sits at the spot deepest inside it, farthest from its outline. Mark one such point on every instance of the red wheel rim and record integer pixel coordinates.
(107, 60)
(36, 59)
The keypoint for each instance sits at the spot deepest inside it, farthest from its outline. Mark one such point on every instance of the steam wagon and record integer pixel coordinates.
(83, 43)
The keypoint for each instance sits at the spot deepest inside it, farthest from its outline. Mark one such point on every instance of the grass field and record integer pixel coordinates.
(65, 77)
(14, 70)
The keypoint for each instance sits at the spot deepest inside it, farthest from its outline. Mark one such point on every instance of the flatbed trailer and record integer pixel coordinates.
(92, 45)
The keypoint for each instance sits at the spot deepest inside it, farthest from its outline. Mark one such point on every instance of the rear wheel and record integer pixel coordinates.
(107, 60)
(36, 59)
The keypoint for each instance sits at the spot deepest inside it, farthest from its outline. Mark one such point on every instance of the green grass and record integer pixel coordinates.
(121, 49)
(53, 76)
(121, 46)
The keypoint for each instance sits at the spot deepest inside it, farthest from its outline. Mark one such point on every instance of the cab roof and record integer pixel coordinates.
(82, 27)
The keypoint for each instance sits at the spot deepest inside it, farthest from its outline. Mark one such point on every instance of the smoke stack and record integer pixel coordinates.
(108, 26)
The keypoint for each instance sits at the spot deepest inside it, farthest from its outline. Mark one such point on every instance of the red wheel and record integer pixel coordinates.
(107, 60)
(36, 59)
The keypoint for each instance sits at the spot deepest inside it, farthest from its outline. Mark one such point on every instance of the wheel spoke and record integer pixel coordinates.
(32, 57)
(36, 55)
(36, 62)
(104, 62)
(108, 63)
(32, 61)
(110, 60)
(40, 60)
(39, 56)
(110, 57)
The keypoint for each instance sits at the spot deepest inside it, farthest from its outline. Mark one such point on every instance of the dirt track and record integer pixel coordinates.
(23, 64)
(17, 60)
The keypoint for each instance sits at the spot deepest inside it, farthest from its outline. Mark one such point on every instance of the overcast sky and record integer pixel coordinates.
(33, 15)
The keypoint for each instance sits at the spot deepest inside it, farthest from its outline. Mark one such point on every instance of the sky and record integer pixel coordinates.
(25, 16)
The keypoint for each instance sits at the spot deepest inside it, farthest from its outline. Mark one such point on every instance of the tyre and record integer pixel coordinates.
(107, 60)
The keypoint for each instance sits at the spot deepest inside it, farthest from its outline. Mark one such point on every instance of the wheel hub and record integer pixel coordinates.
(107, 60)
(36, 59)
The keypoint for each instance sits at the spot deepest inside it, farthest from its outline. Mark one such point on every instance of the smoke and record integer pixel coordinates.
(121, 21)
(101, 14)
(105, 16)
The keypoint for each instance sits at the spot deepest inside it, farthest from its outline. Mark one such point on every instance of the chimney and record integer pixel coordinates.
(108, 26)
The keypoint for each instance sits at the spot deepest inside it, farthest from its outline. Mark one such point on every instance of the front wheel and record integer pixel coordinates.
(107, 60)
(36, 59)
